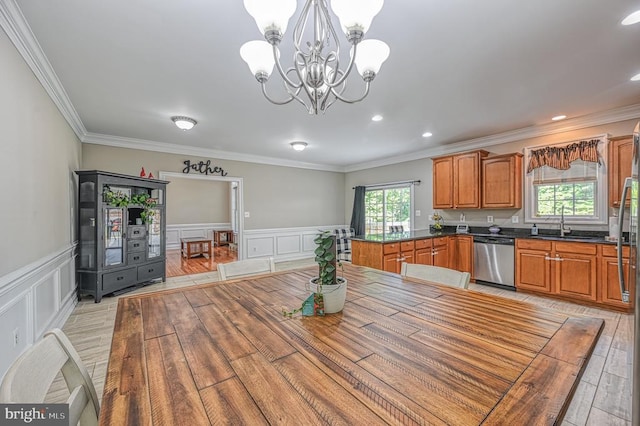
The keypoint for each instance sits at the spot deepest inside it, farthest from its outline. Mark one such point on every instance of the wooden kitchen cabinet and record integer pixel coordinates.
(533, 270)
(575, 270)
(502, 181)
(609, 291)
(441, 252)
(581, 272)
(424, 252)
(443, 183)
(461, 253)
(620, 156)
(456, 180)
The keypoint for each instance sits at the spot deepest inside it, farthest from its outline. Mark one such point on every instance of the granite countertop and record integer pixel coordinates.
(552, 235)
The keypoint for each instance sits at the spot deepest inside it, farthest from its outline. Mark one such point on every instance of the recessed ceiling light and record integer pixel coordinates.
(376, 117)
(559, 117)
(636, 77)
(298, 145)
(184, 123)
(634, 18)
(427, 134)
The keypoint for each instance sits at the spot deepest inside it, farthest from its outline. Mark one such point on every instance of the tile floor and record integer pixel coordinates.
(603, 396)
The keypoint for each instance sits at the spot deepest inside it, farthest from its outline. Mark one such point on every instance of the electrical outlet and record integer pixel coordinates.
(247, 214)
(16, 337)
(462, 217)
(515, 219)
(430, 217)
(490, 219)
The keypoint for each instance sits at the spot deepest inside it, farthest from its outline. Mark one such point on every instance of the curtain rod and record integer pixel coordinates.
(416, 182)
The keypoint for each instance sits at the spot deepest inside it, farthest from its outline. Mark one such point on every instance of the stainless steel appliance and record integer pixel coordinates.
(494, 260)
(631, 277)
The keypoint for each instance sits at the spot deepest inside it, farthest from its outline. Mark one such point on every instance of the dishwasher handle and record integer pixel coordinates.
(495, 240)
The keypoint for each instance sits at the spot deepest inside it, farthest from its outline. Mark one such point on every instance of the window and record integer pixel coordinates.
(388, 206)
(577, 193)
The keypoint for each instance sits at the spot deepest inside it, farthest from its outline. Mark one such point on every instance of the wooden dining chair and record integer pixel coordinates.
(436, 274)
(247, 267)
(29, 378)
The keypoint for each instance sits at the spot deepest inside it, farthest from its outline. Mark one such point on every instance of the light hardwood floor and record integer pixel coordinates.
(603, 396)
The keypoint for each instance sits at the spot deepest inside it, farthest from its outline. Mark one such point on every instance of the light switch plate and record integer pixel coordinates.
(418, 213)
(490, 219)
(247, 214)
(515, 219)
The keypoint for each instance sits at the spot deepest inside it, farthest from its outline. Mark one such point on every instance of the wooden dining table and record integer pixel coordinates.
(401, 352)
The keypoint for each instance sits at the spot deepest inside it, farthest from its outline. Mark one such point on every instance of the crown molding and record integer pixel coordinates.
(629, 112)
(15, 25)
(146, 145)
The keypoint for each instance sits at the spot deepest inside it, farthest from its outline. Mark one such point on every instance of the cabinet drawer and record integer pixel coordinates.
(135, 258)
(612, 251)
(150, 271)
(440, 241)
(138, 231)
(391, 248)
(421, 244)
(407, 245)
(135, 245)
(533, 244)
(116, 280)
(578, 248)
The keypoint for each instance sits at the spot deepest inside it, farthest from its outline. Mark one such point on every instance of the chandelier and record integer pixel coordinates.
(316, 68)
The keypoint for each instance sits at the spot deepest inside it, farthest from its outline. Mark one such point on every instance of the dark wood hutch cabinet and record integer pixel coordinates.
(119, 245)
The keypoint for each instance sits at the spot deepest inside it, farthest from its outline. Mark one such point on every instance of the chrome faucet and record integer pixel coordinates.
(563, 230)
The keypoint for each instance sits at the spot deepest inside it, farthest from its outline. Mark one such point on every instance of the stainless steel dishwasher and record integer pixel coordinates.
(494, 260)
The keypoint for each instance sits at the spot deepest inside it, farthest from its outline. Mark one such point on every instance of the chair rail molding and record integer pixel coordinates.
(283, 244)
(34, 299)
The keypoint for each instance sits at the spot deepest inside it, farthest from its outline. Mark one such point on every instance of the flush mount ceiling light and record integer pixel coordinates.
(636, 77)
(633, 18)
(298, 145)
(559, 117)
(316, 68)
(184, 123)
(377, 117)
(427, 134)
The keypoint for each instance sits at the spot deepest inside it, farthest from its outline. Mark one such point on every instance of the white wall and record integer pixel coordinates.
(198, 201)
(38, 156)
(274, 196)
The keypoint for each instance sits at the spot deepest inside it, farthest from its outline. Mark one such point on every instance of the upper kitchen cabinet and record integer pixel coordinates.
(620, 155)
(456, 180)
(502, 181)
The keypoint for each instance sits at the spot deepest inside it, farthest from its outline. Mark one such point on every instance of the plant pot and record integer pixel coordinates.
(334, 295)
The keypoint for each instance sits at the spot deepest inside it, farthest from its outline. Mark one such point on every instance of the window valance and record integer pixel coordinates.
(560, 157)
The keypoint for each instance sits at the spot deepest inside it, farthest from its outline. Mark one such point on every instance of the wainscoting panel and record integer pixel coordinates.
(193, 230)
(282, 243)
(34, 299)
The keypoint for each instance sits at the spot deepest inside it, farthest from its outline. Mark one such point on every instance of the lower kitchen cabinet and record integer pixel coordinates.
(610, 288)
(441, 252)
(575, 270)
(389, 256)
(584, 272)
(461, 253)
(424, 252)
(533, 270)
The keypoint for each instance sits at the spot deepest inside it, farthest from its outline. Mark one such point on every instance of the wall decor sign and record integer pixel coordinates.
(203, 167)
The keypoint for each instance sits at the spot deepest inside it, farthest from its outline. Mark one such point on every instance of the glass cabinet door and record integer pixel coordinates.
(154, 236)
(114, 222)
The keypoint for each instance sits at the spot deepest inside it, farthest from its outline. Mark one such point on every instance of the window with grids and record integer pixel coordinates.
(578, 194)
(385, 207)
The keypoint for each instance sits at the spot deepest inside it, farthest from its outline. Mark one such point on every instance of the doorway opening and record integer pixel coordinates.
(226, 236)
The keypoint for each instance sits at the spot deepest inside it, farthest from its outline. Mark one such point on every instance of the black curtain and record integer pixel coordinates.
(357, 217)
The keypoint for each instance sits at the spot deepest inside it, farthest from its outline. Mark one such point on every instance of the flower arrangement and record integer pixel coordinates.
(438, 221)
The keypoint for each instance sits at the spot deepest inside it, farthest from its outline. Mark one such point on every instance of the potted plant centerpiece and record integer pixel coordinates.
(332, 288)
(329, 290)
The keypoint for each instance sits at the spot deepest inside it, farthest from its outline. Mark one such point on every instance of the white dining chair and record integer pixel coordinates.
(436, 274)
(29, 378)
(247, 267)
